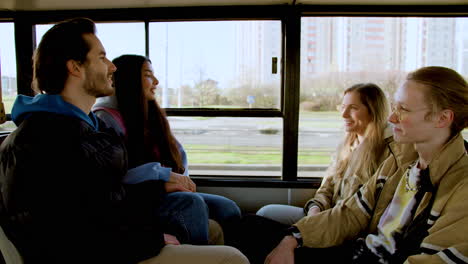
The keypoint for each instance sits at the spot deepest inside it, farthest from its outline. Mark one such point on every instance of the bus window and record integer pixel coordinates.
(337, 52)
(233, 146)
(220, 64)
(8, 70)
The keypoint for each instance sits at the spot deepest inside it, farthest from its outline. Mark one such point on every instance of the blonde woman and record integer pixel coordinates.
(413, 209)
(364, 111)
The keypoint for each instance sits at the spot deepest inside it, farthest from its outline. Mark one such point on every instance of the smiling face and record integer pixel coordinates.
(148, 81)
(355, 114)
(98, 69)
(409, 114)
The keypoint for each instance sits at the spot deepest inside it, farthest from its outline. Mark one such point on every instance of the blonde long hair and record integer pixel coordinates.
(366, 156)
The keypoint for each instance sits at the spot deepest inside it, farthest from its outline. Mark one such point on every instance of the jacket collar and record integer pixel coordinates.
(404, 154)
(451, 152)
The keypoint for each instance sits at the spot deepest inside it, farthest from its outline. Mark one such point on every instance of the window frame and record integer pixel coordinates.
(7, 17)
(290, 17)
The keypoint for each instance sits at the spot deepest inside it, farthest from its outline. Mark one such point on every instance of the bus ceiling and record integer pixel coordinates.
(37, 5)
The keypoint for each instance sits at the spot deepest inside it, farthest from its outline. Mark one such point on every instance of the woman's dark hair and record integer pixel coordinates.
(61, 43)
(149, 136)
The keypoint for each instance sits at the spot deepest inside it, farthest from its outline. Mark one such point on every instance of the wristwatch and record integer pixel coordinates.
(294, 231)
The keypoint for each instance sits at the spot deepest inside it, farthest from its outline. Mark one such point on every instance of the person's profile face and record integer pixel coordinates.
(409, 114)
(148, 81)
(98, 69)
(355, 114)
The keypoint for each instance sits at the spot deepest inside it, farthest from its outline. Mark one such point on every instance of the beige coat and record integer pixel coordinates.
(335, 189)
(361, 213)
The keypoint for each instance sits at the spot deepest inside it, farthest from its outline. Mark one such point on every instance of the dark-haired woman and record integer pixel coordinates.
(155, 154)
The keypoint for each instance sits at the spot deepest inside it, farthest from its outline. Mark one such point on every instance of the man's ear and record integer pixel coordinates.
(74, 68)
(445, 118)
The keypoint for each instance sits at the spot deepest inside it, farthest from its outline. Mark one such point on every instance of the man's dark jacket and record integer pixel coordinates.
(62, 198)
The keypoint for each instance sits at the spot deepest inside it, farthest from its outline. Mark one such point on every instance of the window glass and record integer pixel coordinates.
(41, 30)
(8, 69)
(117, 38)
(122, 38)
(222, 64)
(337, 52)
(233, 146)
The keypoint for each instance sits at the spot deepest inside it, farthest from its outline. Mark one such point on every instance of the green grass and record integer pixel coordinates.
(251, 158)
(201, 154)
(315, 124)
(202, 117)
(7, 126)
(8, 103)
(314, 159)
(324, 114)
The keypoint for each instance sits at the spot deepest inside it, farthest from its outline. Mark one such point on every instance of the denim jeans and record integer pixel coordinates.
(186, 214)
(221, 208)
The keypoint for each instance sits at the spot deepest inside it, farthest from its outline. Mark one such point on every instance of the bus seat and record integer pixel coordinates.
(215, 233)
(3, 136)
(9, 252)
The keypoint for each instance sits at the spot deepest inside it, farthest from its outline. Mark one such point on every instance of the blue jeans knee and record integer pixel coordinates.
(186, 215)
(221, 208)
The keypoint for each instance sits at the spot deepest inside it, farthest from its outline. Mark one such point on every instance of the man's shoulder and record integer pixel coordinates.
(45, 128)
(49, 121)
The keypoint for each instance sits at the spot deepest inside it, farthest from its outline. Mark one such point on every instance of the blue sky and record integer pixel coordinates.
(7, 50)
(191, 47)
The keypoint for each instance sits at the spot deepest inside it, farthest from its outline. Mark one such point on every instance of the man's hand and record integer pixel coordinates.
(183, 181)
(313, 210)
(283, 253)
(171, 240)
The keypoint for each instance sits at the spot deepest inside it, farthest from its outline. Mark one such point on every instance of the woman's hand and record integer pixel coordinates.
(174, 187)
(283, 253)
(183, 181)
(171, 240)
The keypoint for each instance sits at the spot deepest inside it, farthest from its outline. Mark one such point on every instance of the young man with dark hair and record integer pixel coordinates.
(61, 169)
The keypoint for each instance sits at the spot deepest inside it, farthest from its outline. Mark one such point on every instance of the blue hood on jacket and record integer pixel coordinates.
(52, 103)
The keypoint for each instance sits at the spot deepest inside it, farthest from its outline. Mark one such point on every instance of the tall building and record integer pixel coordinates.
(9, 86)
(373, 44)
(257, 43)
(462, 42)
(431, 42)
(320, 45)
(413, 48)
(439, 42)
(349, 44)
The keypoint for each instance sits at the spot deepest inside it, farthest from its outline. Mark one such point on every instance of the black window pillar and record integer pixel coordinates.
(292, 45)
(25, 41)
